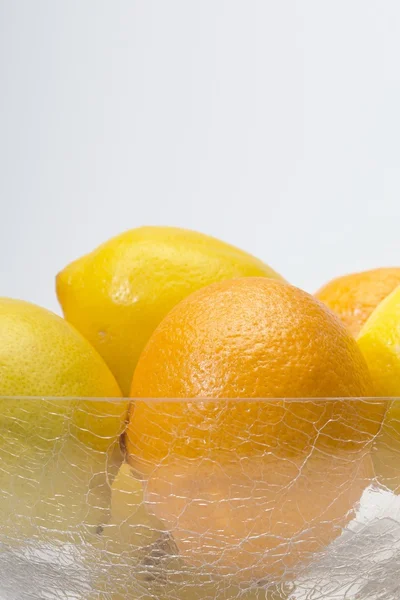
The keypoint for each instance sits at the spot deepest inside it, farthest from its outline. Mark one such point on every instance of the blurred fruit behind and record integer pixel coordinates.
(354, 297)
(54, 452)
(258, 519)
(137, 558)
(252, 488)
(117, 295)
(379, 341)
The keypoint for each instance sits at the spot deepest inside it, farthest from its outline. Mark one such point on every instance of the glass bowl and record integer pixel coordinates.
(274, 499)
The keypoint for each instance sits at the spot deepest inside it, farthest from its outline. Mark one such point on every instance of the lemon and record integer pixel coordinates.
(56, 454)
(117, 295)
(379, 341)
(134, 525)
(43, 355)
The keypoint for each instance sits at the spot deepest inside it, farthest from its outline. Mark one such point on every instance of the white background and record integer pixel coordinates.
(274, 125)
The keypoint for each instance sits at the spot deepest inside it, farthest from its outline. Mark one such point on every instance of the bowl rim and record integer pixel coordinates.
(156, 400)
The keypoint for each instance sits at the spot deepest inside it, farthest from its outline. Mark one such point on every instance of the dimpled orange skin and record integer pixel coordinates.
(354, 297)
(249, 338)
(252, 489)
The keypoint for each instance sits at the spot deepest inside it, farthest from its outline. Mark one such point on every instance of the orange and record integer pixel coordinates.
(354, 297)
(248, 338)
(252, 488)
(257, 519)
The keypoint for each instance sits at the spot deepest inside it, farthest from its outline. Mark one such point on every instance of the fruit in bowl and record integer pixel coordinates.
(248, 338)
(369, 305)
(42, 355)
(354, 297)
(233, 479)
(251, 433)
(379, 340)
(52, 447)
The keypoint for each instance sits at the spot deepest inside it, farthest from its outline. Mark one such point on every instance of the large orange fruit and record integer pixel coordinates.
(248, 338)
(252, 488)
(354, 297)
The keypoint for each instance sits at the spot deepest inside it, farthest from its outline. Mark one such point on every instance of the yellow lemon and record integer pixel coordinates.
(379, 341)
(56, 454)
(117, 295)
(43, 355)
(131, 523)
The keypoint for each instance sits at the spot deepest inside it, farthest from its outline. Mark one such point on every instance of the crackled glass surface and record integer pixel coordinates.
(294, 503)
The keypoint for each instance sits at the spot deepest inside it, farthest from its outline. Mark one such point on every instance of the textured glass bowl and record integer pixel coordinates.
(254, 499)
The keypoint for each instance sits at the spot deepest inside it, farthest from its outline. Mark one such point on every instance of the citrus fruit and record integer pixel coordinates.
(252, 488)
(116, 295)
(258, 519)
(131, 525)
(379, 341)
(248, 338)
(354, 297)
(57, 450)
(135, 551)
(44, 356)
